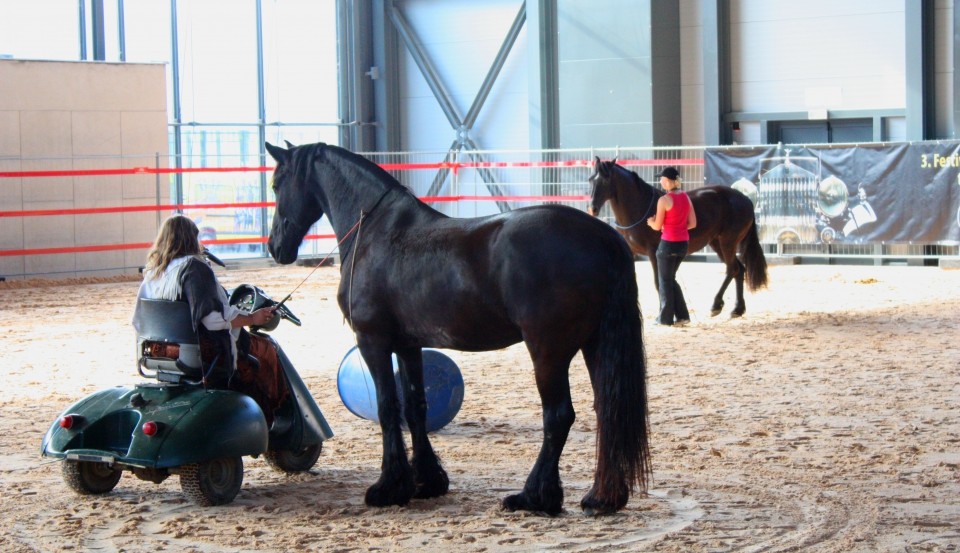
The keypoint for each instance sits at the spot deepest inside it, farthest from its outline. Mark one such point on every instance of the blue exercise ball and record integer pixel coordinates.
(442, 381)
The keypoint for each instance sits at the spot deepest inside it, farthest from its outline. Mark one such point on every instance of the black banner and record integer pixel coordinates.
(893, 193)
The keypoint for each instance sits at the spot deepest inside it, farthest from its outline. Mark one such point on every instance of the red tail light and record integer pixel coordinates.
(150, 428)
(69, 421)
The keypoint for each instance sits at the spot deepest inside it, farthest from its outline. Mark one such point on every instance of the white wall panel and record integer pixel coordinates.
(785, 53)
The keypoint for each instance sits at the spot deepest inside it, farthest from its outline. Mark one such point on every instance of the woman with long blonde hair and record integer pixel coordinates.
(177, 270)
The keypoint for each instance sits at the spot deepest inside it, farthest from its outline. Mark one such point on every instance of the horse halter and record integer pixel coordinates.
(650, 209)
(296, 225)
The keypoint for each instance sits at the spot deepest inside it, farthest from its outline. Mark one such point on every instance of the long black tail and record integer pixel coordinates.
(751, 255)
(620, 392)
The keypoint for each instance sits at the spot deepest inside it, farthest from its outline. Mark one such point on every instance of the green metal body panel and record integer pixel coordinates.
(195, 425)
(309, 425)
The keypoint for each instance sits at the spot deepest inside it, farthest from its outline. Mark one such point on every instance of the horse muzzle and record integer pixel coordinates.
(281, 256)
(280, 243)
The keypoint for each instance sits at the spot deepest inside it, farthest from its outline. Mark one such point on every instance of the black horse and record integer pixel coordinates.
(725, 221)
(550, 276)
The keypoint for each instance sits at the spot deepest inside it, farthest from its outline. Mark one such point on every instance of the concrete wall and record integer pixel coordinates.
(57, 116)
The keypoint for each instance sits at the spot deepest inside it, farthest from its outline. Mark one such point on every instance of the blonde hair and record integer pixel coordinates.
(178, 236)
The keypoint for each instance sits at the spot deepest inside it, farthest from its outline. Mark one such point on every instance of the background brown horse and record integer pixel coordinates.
(725, 221)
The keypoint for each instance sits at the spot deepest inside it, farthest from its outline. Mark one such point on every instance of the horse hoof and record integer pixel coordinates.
(429, 477)
(715, 312)
(521, 502)
(380, 495)
(593, 507)
(434, 487)
(516, 502)
(736, 315)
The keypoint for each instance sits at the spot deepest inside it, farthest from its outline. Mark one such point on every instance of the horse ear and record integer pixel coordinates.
(289, 144)
(602, 168)
(614, 160)
(277, 153)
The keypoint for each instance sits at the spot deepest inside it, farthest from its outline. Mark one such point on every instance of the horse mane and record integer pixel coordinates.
(351, 162)
(640, 183)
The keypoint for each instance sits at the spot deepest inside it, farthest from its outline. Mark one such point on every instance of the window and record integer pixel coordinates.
(218, 60)
(300, 60)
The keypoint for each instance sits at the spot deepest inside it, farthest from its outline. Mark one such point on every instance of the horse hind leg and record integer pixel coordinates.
(430, 480)
(741, 306)
(542, 491)
(396, 483)
(589, 503)
(735, 272)
(717, 306)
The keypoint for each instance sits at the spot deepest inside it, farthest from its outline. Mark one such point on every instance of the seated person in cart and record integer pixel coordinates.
(233, 358)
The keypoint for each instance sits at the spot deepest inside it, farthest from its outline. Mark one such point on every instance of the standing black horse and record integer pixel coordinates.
(550, 276)
(725, 221)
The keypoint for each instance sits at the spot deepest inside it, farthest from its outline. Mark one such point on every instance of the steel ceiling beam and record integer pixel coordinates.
(461, 125)
(436, 85)
(498, 63)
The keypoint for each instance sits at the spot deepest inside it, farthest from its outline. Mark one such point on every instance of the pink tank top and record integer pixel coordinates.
(675, 222)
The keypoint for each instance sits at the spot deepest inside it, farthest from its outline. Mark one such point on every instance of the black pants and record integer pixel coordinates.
(672, 304)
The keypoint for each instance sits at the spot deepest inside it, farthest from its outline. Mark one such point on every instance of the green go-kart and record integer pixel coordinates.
(173, 424)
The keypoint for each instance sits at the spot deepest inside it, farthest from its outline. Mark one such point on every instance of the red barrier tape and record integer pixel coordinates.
(182, 207)
(131, 171)
(76, 249)
(127, 209)
(179, 207)
(142, 246)
(442, 199)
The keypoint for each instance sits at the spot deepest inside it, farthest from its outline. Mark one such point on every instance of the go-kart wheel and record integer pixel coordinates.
(214, 482)
(286, 460)
(89, 478)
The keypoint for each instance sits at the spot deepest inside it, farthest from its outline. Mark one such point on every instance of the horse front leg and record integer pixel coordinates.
(542, 491)
(429, 478)
(395, 485)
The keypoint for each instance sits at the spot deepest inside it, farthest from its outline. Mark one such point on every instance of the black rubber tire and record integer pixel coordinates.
(285, 460)
(214, 482)
(90, 478)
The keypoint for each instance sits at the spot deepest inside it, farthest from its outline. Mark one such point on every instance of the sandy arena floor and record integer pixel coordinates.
(827, 419)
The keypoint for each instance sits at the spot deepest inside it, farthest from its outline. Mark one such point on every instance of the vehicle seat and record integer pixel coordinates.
(165, 323)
